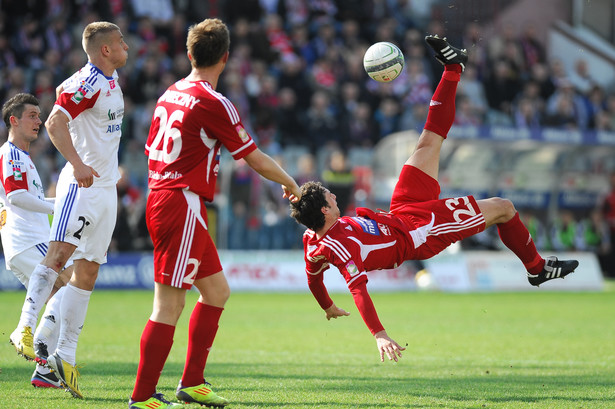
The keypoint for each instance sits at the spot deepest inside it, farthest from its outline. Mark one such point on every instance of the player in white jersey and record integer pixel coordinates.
(85, 127)
(24, 226)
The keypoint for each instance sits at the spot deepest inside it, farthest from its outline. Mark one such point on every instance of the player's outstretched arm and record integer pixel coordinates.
(388, 346)
(270, 169)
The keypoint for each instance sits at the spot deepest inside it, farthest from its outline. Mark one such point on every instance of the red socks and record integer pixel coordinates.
(201, 333)
(517, 238)
(442, 106)
(156, 342)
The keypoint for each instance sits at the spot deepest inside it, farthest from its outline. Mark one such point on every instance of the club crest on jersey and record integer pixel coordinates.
(369, 226)
(351, 267)
(78, 96)
(243, 135)
(16, 165)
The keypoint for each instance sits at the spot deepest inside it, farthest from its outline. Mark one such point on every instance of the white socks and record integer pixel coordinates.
(73, 309)
(39, 288)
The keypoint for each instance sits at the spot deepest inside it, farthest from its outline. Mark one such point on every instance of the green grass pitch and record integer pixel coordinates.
(510, 350)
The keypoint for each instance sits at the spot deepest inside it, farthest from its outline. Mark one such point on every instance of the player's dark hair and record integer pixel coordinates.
(307, 210)
(207, 42)
(15, 107)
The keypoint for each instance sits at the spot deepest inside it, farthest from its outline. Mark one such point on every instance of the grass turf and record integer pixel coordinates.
(508, 350)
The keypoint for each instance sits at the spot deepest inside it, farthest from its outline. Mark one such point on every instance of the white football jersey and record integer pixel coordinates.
(94, 104)
(20, 229)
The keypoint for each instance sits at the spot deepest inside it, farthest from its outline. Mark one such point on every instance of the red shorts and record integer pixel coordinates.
(437, 223)
(183, 249)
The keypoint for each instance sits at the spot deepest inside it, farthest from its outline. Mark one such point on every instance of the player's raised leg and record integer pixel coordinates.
(441, 115)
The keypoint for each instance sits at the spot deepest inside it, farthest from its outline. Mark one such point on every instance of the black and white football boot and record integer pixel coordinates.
(446, 53)
(553, 269)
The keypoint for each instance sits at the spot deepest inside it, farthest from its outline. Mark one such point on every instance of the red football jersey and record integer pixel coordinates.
(355, 245)
(191, 123)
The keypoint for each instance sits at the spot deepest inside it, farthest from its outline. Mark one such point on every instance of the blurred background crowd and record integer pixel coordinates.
(295, 74)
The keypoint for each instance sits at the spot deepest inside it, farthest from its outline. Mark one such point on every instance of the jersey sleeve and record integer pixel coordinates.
(77, 96)
(14, 173)
(319, 290)
(229, 130)
(366, 307)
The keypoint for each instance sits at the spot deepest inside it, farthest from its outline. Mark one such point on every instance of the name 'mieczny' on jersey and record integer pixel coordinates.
(191, 123)
(20, 228)
(94, 104)
(356, 245)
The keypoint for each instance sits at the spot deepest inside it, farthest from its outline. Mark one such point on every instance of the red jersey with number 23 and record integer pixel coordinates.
(191, 123)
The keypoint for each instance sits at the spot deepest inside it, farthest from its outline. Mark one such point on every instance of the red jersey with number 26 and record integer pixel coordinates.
(191, 123)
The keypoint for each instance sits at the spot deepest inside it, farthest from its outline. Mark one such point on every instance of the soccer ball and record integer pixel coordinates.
(383, 61)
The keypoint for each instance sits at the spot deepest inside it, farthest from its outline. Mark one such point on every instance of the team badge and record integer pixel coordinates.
(16, 169)
(243, 135)
(351, 267)
(78, 96)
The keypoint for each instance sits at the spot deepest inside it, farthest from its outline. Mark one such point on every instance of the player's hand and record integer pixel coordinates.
(84, 175)
(387, 346)
(292, 195)
(333, 312)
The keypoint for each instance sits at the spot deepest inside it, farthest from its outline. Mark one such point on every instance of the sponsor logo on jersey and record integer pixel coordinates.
(114, 128)
(351, 267)
(167, 175)
(2, 218)
(115, 115)
(112, 84)
(36, 185)
(368, 226)
(243, 135)
(384, 229)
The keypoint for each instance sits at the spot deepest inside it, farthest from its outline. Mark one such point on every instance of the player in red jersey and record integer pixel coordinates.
(418, 226)
(191, 123)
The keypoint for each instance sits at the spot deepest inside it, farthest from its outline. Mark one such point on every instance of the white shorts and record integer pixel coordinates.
(22, 265)
(85, 217)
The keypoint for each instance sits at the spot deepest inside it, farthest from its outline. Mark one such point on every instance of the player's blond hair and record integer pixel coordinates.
(207, 42)
(95, 34)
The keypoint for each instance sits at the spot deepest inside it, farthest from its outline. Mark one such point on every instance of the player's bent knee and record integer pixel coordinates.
(506, 209)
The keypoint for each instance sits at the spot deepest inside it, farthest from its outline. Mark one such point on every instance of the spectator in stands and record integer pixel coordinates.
(564, 232)
(289, 119)
(473, 89)
(536, 228)
(322, 126)
(580, 78)
(337, 176)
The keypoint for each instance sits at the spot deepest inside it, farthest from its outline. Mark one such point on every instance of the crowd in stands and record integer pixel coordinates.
(295, 74)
